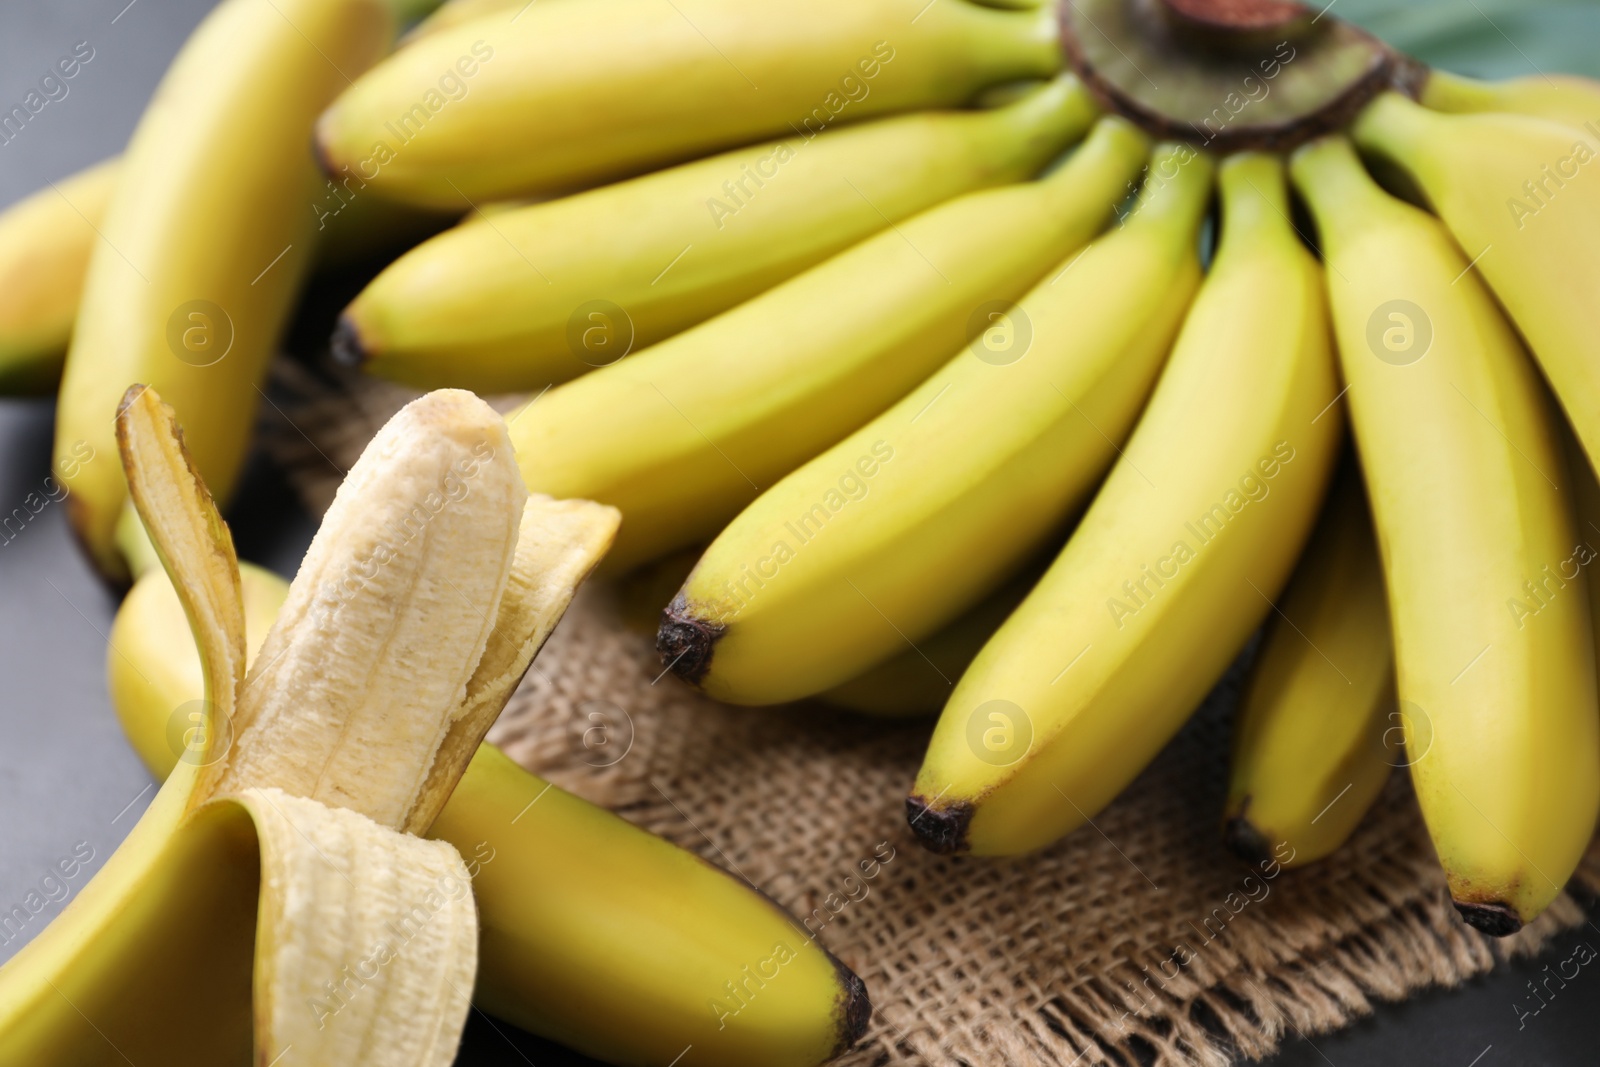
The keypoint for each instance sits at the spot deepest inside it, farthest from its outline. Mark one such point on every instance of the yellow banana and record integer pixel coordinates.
(1515, 194)
(1565, 98)
(593, 932)
(45, 243)
(167, 924)
(205, 241)
(1174, 564)
(543, 293)
(1494, 657)
(1317, 734)
(903, 525)
(680, 436)
(486, 110)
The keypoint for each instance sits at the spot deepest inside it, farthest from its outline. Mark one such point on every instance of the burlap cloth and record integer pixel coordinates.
(1137, 940)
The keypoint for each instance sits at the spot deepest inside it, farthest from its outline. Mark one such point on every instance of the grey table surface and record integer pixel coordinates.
(68, 779)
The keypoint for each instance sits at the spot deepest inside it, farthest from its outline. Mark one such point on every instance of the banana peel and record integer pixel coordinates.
(584, 918)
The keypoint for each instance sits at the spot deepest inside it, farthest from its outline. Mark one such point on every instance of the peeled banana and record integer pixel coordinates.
(1318, 733)
(1173, 566)
(484, 110)
(900, 527)
(680, 436)
(584, 919)
(365, 943)
(541, 294)
(1493, 649)
(208, 233)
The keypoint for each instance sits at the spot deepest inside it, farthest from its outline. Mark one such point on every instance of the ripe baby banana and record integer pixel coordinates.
(1493, 650)
(585, 920)
(205, 241)
(1173, 566)
(1564, 98)
(680, 436)
(1514, 192)
(1318, 733)
(485, 110)
(543, 293)
(909, 521)
(45, 242)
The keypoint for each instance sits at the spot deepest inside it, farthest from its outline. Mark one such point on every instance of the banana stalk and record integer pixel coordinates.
(1173, 566)
(908, 522)
(544, 293)
(680, 436)
(1494, 655)
(1318, 733)
(484, 110)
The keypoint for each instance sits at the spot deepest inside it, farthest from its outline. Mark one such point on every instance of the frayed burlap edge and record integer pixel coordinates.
(1138, 940)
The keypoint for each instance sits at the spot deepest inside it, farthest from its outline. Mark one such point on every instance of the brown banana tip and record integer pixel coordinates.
(855, 1008)
(1246, 841)
(941, 830)
(346, 343)
(686, 642)
(1494, 918)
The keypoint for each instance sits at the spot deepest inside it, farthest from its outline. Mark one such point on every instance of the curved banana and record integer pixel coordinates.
(167, 925)
(593, 932)
(47, 239)
(1565, 98)
(45, 242)
(1513, 192)
(903, 525)
(1493, 653)
(1313, 742)
(543, 293)
(680, 436)
(1172, 567)
(485, 110)
(205, 241)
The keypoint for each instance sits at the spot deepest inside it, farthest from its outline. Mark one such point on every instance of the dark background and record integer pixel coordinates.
(67, 776)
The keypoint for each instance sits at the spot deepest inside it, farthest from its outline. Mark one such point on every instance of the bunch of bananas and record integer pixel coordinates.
(900, 410)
